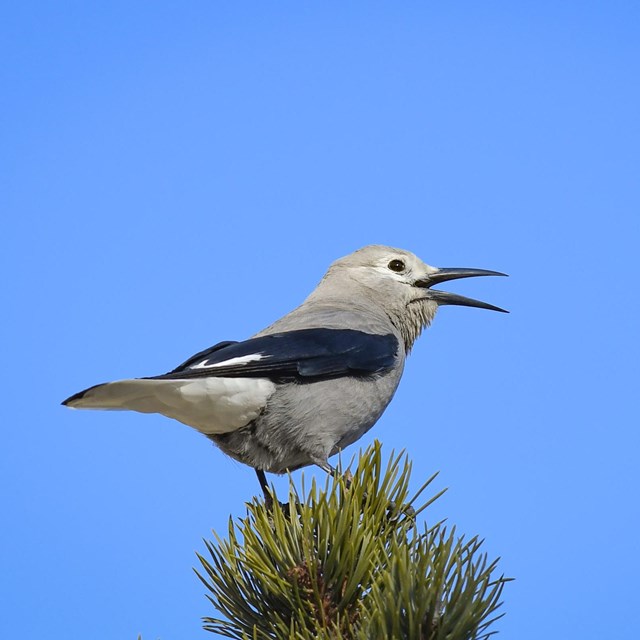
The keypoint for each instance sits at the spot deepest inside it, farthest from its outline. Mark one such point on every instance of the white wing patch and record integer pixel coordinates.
(227, 363)
(210, 405)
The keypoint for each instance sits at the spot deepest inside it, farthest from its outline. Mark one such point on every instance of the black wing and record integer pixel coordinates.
(303, 354)
(203, 355)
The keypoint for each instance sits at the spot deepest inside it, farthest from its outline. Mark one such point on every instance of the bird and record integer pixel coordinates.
(313, 382)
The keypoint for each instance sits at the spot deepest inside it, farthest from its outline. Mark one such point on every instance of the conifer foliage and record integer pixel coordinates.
(349, 560)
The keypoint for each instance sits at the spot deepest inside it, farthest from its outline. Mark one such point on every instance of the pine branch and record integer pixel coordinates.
(349, 561)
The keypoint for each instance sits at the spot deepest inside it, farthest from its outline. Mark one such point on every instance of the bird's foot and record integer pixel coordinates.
(271, 504)
(393, 510)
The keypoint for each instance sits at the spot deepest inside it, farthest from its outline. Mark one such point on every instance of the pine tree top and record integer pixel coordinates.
(350, 560)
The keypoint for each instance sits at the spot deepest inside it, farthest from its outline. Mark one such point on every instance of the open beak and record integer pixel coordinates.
(443, 297)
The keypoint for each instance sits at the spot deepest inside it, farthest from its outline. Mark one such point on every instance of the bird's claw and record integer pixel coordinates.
(285, 507)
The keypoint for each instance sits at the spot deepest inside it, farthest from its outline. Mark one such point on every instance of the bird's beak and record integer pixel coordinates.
(443, 297)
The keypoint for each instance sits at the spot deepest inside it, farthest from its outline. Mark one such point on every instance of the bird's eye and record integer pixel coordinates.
(396, 265)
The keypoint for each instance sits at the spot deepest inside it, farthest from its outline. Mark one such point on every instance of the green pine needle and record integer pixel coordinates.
(348, 560)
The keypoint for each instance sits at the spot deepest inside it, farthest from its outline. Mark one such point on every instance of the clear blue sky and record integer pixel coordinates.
(176, 174)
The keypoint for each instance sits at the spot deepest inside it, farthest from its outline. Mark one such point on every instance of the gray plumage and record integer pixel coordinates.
(313, 382)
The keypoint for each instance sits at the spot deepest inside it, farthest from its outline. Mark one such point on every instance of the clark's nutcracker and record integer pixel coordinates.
(314, 381)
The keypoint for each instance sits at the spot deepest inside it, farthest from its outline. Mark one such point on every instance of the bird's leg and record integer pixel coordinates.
(347, 476)
(262, 479)
(268, 498)
(327, 468)
(406, 510)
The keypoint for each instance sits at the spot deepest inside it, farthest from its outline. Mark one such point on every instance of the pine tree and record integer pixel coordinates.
(350, 560)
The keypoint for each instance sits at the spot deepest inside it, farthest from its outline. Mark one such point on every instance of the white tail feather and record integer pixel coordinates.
(210, 405)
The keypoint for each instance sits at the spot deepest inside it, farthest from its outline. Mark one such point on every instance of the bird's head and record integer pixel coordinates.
(400, 283)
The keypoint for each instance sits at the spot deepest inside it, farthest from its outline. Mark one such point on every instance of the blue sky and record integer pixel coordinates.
(176, 174)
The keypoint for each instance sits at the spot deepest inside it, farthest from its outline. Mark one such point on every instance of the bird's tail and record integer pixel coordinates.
(210, 405)
(134, 395)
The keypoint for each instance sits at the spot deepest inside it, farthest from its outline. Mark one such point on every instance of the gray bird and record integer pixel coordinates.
(314, 381)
